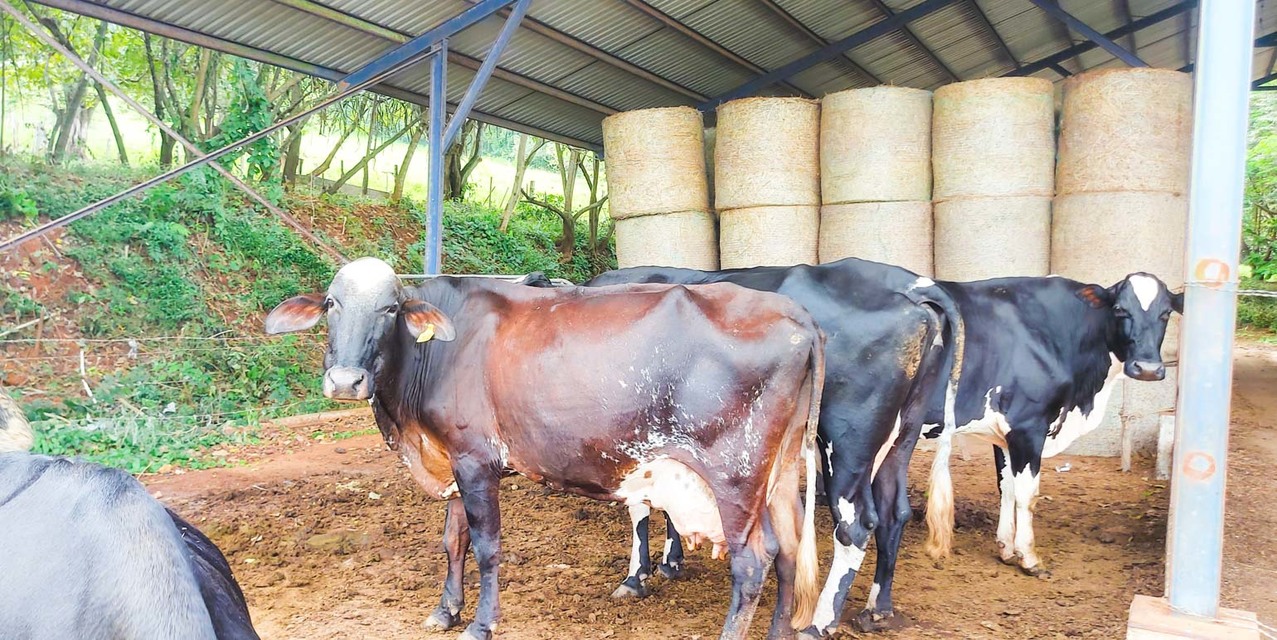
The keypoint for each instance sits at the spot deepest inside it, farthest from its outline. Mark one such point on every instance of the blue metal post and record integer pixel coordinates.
(481, 76)
(1057, 12)
(1196, 528)
(434, 210)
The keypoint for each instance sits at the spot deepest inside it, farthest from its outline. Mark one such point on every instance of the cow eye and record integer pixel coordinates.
(1120, 312)
(1166, 315)
(328, 303)
(393, 309)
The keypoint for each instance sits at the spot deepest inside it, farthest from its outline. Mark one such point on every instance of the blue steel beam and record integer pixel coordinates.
(434, 207)
(1083, 47)
(481, 76)
(1195, 533)
(831, 50)
(1057, 12)
(421, 45)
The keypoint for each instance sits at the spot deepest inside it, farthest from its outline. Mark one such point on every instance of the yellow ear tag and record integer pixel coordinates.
(426, 334)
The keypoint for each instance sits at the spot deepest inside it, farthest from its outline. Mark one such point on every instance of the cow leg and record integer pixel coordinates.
(891, 494)
(456, 542)
(1025, 476)
(479, 484)
(1006, 513)
(640, 556)
(853, 521)
(785, 517)
(672, 561)
(749, 563)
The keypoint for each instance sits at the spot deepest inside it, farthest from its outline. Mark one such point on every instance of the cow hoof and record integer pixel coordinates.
(671, 571)
(869, 621)
(441, 620)
(1038, 572)
(628, 591)
(810, 633)
(476, 632)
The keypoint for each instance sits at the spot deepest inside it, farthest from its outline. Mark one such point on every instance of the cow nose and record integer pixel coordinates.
(347, 383)
(1146, 371)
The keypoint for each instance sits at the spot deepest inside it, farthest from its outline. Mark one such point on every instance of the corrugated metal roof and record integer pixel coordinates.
(573, 61)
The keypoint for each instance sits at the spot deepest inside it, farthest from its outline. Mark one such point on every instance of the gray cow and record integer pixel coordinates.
(87, 553)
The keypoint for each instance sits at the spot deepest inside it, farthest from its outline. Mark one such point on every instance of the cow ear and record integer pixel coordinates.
(427, 322)
(295, 314)
(1095, 295)
(1177, 302)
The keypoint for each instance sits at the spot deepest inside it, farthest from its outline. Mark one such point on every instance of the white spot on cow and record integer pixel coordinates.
(992, 427)
(637, 513)
(872, 603)
(1006, 512)
(449, 491)
(1146, 289)
(922, 281)
(502, 450)
(846, 511)
(796, 338)
(623, 385)
(1025, 485)
(669, 544)
(681, 493)
(847, 560)
(362, 280)
(886, 447)
(1073, 424)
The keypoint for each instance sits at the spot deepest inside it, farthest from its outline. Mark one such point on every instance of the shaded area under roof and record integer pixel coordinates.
(573, 62)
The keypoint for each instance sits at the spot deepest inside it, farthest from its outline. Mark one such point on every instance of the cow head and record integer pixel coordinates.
(365, 305)
(1141, 306)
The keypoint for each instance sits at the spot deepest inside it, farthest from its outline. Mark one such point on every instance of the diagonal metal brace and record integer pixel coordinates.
(195, 151)
(481, 76)
(1058, 12)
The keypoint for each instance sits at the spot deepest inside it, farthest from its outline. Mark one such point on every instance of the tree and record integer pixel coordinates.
(418, 125)
(457, 168)
(65, 127)
(521, 160)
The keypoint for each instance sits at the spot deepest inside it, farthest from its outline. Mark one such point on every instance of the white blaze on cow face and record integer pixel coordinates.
(1146, 289)
(682, 494)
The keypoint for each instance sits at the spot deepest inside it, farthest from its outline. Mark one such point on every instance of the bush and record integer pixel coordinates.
(1257, 312)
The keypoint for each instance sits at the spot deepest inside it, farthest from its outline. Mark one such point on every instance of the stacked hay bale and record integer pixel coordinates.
(767, 181)
(1122, 184)
(875, 177)
(993, 154)
(657, 189)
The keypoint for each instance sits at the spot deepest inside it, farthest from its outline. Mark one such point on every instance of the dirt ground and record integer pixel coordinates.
(332, 540)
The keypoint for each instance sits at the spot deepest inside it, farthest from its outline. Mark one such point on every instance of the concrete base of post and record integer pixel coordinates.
(1165, 445)
(1152, 619)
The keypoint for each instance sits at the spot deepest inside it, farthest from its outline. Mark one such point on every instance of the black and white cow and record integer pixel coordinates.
(893, 340)
(1042, 358)
(87, 553)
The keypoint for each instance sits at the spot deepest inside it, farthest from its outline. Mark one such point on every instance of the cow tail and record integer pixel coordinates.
(940, 491)
(807, 580)
(15, 431)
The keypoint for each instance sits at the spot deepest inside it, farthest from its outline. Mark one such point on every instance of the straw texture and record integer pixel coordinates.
(1126, 130)
(768, 236)
(994, 137)
(875, 145)
(655, 162)
(1101, 237)
(980, 238)
(898, 233)
(766, 153)
(681, 239)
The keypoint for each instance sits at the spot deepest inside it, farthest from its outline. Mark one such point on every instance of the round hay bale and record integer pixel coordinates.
(758, 236)
(655, 162)
(896, 233)
(981, 238)
(994, 137)
(1101, 237)
(875, 145)
(685, 239)
(1126, 130)
(767, 153)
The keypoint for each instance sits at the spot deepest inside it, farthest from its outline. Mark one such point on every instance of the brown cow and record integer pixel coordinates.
(695, 400)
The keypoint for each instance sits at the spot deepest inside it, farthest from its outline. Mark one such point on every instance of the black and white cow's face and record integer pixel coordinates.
(364, 304)
(1141, 306)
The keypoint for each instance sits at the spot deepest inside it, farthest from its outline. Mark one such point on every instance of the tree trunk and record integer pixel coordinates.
(592, 180)
(368, 152)
(157, 86)
(293, 153)
(75, 98)
(197, 97)
(328, 161)
(345, 177)
(457, 173)
(521, 161)
(115, 127)
(401, 176)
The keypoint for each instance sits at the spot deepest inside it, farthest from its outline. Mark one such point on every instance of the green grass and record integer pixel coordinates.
(1256, 312)
(190, 260)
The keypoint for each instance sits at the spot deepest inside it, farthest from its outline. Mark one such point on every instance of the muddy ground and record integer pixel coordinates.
(332, 540)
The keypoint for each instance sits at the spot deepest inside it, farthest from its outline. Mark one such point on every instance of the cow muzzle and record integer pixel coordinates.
(1146, 371)
(347, 383)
